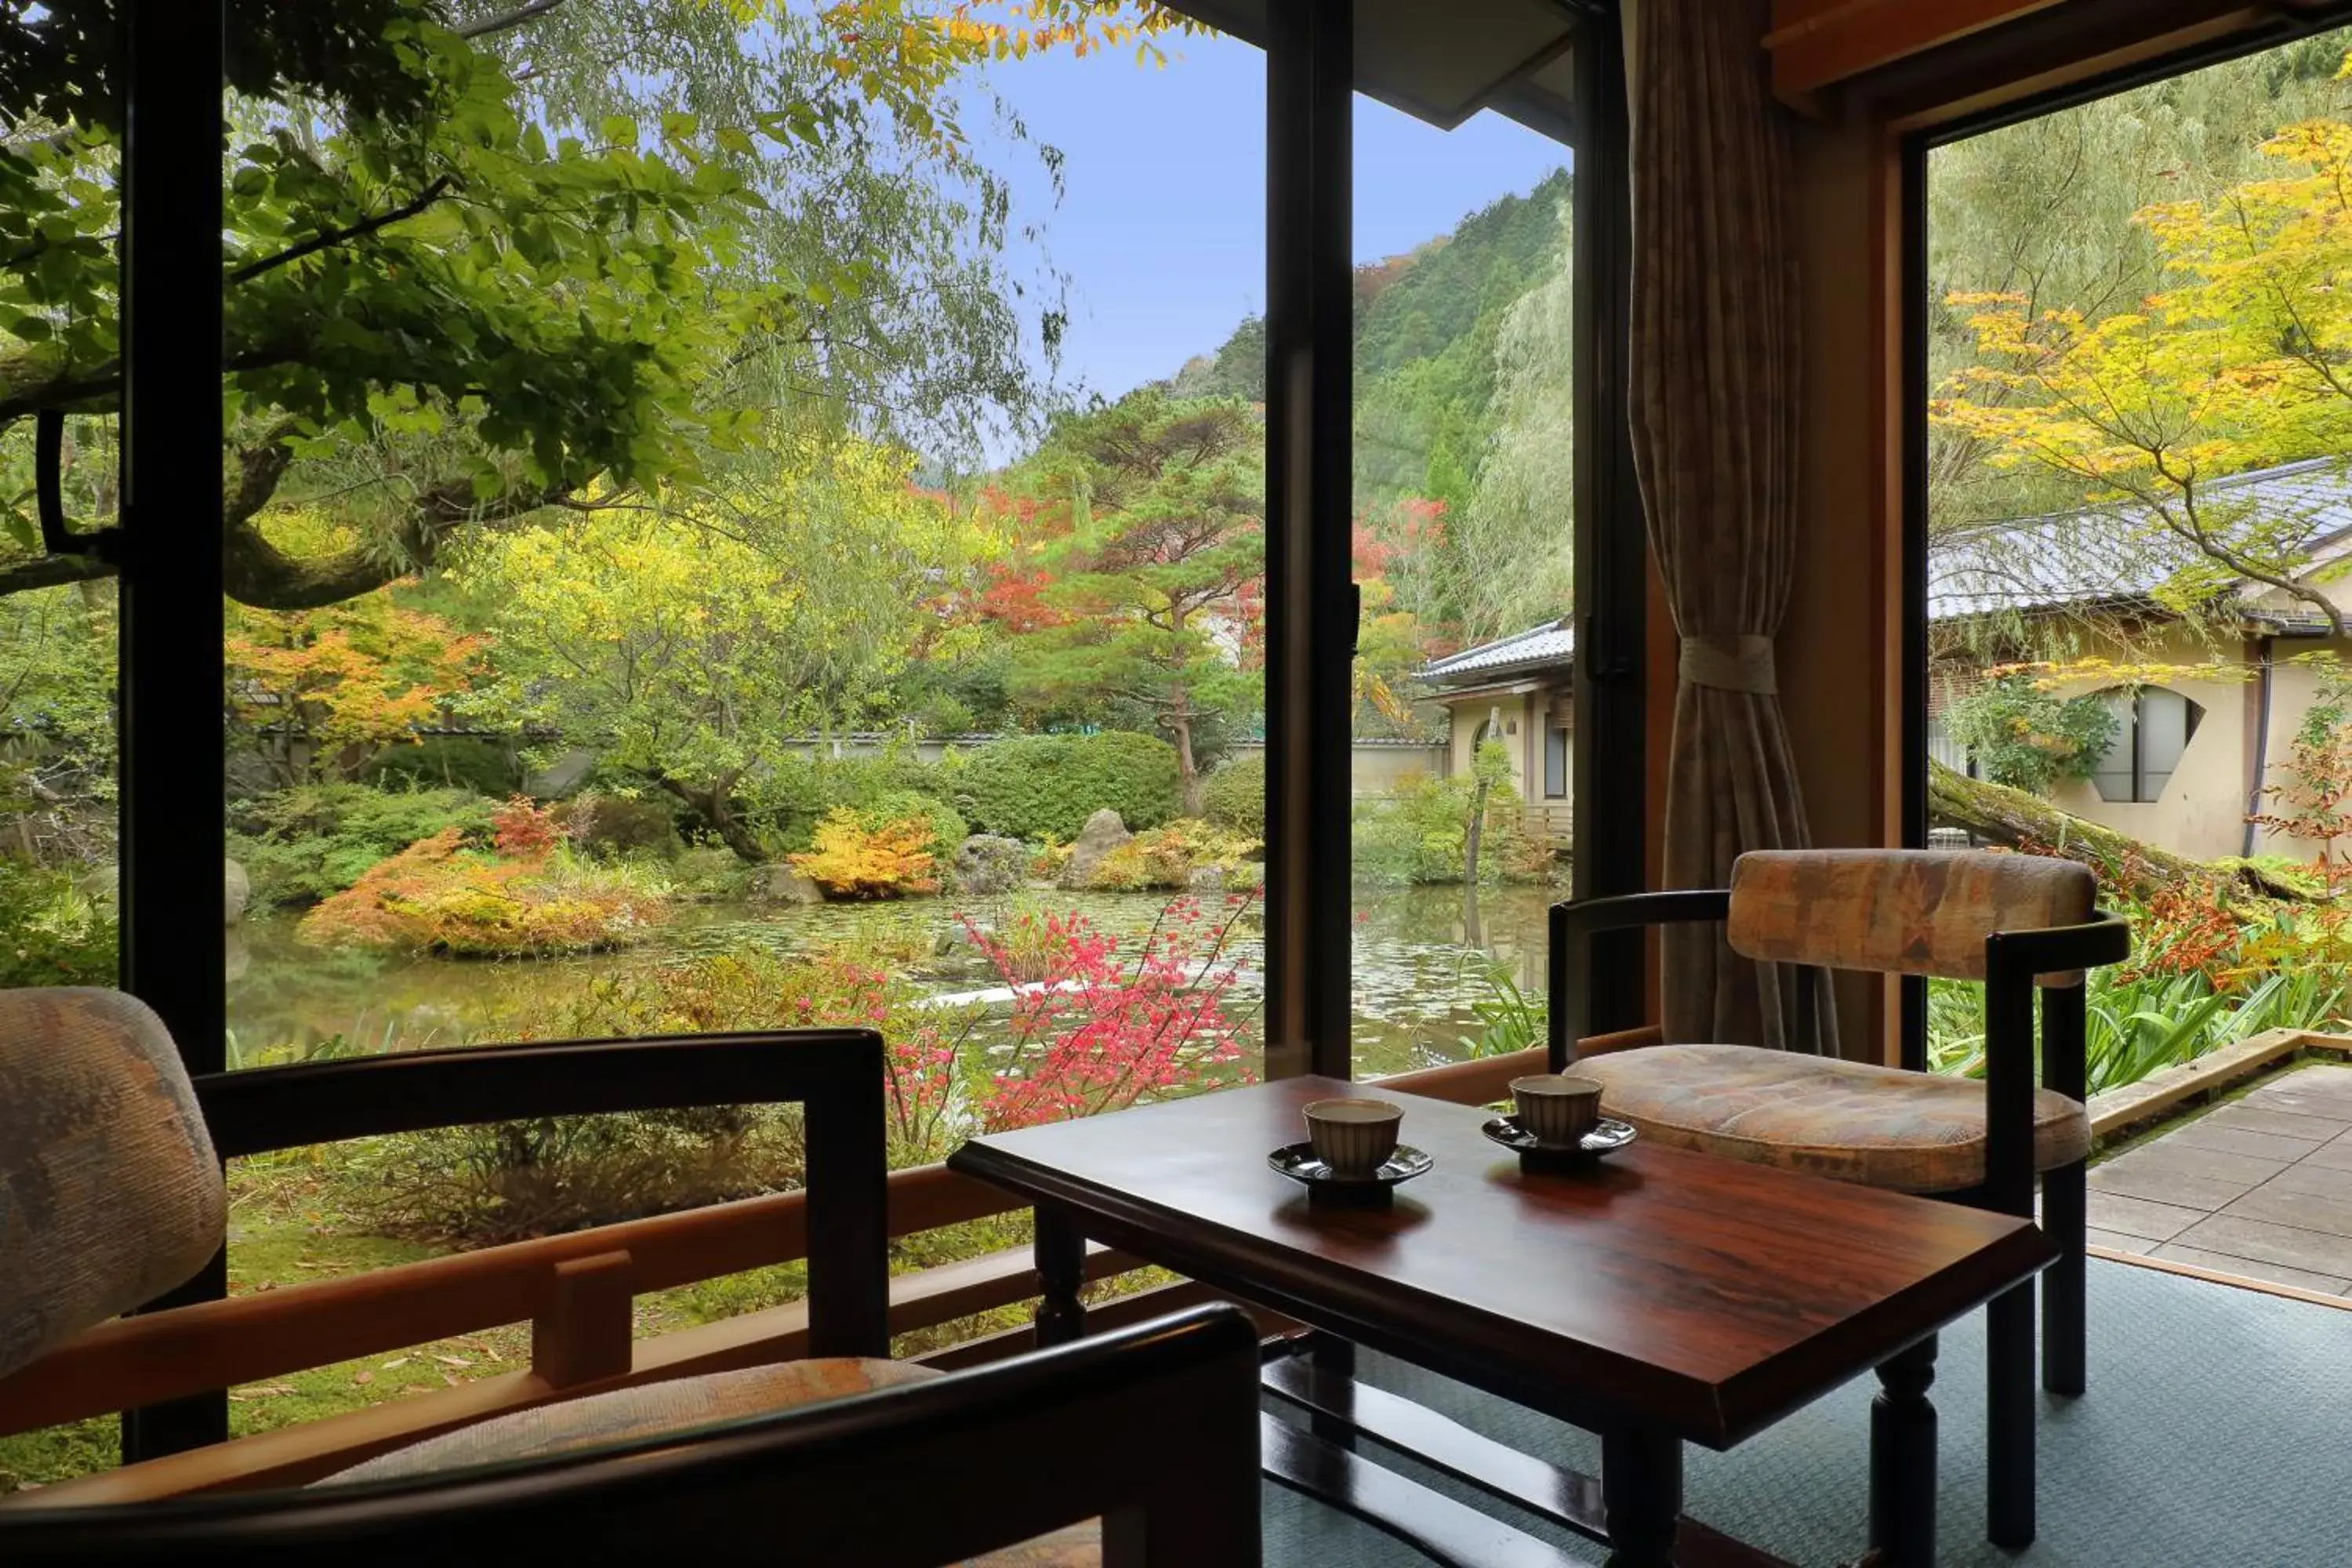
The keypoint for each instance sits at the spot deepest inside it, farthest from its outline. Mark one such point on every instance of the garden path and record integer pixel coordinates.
(2260, 1187)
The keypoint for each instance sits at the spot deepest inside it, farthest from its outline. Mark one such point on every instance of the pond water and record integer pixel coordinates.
(1420, 967)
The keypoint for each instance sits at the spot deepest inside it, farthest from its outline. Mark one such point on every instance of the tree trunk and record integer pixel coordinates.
(1473, 831)
(717, 813)
(2014, 817)
(1188, 771)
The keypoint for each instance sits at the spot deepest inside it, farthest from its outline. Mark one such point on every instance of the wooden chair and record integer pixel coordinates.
(111, 1194)
(2016, 922)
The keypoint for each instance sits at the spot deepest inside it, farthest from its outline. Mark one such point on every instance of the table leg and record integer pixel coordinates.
(1903, 1461)
(1335, 1359)
(1640, 1496)
(1060, 1249)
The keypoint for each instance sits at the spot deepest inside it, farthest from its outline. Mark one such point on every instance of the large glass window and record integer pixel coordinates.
(2135, 469)
(1462, 482)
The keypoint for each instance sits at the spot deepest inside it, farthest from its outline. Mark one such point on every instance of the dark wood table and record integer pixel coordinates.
(1655, 1299)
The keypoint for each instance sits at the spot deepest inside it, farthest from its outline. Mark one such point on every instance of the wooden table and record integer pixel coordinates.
(1656, 1299)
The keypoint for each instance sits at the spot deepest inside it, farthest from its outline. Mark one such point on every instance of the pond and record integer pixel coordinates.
(1419, 969)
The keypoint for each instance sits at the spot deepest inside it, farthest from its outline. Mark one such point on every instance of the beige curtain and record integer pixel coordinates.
(1714, 409)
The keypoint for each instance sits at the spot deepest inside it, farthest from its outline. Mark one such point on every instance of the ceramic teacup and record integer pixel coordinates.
(1557, 1108)
(1353, 1136)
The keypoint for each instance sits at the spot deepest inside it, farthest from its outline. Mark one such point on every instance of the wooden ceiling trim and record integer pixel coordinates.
(1816, 44)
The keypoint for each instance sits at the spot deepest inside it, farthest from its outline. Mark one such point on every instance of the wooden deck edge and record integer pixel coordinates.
(2215, 1277)
(2122, 1109)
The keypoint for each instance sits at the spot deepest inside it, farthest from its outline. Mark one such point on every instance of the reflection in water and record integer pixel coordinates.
(1422, 960)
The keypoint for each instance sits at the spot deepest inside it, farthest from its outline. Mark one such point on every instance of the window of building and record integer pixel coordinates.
(1555, 762)
(2154, 726)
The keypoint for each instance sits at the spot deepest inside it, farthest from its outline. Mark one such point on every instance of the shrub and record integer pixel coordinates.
(1416, 834)
(618, 825)
(302, 844)
(853, 857)
(2026, 737)
(1167, 856)
(437, 896)
(51, 932)
(946, 828)
(445, 761)
(1234, 797)
(1045, 786)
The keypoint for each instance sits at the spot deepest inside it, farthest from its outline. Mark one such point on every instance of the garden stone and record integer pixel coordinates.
(988, 864)
(1206, 879)
(236, 891)
(783, 885)
(1103, 833)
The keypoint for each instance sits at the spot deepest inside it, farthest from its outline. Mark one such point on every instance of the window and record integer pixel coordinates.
(2153, 728)
(1555, 762)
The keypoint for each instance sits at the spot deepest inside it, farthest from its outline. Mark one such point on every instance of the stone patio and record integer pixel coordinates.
(2260, 1187)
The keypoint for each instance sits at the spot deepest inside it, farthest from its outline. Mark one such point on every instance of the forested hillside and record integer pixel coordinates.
(1462, 364)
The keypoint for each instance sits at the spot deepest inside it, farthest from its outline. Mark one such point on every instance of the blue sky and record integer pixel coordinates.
(1162, 228)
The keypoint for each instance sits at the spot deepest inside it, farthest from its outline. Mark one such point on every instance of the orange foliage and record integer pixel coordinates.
(851, 859)
(437, 896)
(363, 673)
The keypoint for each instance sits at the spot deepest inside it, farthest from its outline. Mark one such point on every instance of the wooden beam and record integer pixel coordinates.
(1815, 46)
(582, 1335)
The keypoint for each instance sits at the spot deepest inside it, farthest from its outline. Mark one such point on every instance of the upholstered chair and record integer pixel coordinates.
(1130, 1447)
(2023, 924)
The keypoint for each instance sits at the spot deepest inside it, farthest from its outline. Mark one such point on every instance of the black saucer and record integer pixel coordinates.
(1607, 1136)
(1297, 1161)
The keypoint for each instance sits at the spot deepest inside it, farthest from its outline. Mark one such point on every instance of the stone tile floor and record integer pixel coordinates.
(2260, 1187)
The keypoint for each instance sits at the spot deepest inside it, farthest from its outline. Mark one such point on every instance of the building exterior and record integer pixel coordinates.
(1514, 690)
(2224, 690)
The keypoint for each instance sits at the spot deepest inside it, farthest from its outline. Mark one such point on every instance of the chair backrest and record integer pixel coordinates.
(1899, 911)
(110, 1193)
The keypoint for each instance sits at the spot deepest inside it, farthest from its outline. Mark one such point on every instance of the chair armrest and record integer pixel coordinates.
(835, 1074)
(1575, 924)
(1153, 1429)
(2014, 961)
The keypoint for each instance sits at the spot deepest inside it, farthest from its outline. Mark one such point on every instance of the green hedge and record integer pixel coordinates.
(445, 761)
(1234, 797)
(1045, 786)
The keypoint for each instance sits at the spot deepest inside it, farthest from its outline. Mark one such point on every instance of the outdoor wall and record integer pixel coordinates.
(1377, 767)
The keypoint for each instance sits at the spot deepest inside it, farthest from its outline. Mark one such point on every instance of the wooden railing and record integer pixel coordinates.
(575, 1290)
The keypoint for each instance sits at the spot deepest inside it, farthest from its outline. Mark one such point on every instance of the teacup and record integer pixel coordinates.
(1557, 1109)
(1353, 1137)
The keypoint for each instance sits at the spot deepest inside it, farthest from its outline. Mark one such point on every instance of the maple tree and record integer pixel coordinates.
(349, 679)
(2235, 364)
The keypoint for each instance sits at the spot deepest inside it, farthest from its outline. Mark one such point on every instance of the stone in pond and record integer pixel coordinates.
(779, 884)
(988, 864)
(1103, 833)
(236, 891)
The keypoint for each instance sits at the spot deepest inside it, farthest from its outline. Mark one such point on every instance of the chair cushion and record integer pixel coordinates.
(653, 1408)
(1880, 1127)
(1899, 911)
(110, 1193)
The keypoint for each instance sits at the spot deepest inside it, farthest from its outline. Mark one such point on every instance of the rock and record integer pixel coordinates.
(1206, 879)
(779, 884)
(987, 864)
(236, 891)
(1103, 833)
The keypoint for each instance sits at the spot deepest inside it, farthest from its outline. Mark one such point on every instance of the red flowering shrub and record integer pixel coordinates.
(1097, 1032)
(525, 831)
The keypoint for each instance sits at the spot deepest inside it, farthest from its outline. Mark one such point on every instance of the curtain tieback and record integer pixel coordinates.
(1730, 662)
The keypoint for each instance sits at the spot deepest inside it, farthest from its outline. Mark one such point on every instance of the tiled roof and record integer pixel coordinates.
(1551, 643)
(2111, 554)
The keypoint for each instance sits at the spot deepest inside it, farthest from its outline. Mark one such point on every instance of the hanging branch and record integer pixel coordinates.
(335, 237)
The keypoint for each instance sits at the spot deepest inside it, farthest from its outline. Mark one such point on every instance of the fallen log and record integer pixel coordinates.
(1999, 815)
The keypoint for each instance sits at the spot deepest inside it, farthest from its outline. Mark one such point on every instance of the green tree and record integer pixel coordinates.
(688, 645)
(466, 279)
(2025, 736)
(1161, 502)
